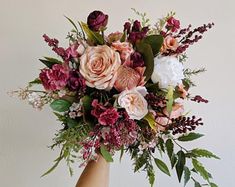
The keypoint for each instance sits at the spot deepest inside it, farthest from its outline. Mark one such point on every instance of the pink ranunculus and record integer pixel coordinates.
(55, 78)
(124, 48)
(109, 117)
(128, 78)
(98, 66)
(170, 43)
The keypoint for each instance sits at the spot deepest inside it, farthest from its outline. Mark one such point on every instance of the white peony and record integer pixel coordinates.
(134, 102)
(168, 71)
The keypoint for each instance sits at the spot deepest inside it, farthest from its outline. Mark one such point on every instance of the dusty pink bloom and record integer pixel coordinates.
(109, 117)
(128, 78)
(98, 66)
(162, 122)
(124, 48)
(170, 43)
(75, 50)
(182, 90)
(55, 78)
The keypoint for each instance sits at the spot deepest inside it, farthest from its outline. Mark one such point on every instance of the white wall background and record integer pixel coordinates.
(25, 133)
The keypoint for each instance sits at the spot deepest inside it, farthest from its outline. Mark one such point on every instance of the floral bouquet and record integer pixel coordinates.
(124, 92)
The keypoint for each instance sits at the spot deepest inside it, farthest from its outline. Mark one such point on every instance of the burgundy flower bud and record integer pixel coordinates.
(76, 82)
(127, 27)
(136, 26)
(145, 30)
(137, 59)
(97, 20)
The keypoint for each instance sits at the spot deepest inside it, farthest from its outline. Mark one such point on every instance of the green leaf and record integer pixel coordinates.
(162, 166)
(151, 121)
(170, 99)
(49, 62)
(93, 36)
(57, 161)
(122, 153)
(146, 50)
(35, 81)
(155, 41)
(203, 153)
(86, 101)
(123, 39)
(187, 175)
(200, 169)
(169, 148)
(197, 184)
(174, 160)
(180, 164)
(107, 156)
(71, 122)
(213, 184)
(139, 162)
(71, 21)
(60, 105)
(189, 137)
(151, 176)
(60, 117)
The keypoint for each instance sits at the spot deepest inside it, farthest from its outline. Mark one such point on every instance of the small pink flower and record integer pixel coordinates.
(173, 24)
(128, 78)
(182, 90)
(55, 78)
(98, 108)
(177, 111)
(109, 117)
(170, 43)
(162, 122)
(124, 48)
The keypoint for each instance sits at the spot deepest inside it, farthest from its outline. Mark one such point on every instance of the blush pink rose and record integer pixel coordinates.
(98, 66)
(55, 78)
(177, 111)
(170, 43)
(124, 48)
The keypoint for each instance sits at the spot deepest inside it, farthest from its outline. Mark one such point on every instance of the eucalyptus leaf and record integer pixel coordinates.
(187, 175)
(162, 166)
(107, 156)
(200, 169)
(180, 164)
(189, 137)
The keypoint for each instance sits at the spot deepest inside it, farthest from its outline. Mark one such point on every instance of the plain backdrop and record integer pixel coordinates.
(26, 133)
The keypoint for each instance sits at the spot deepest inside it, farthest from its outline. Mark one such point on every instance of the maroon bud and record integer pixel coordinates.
(75, 81)
(127, 27)
(136, 26)
(137, 59)
(97, 20)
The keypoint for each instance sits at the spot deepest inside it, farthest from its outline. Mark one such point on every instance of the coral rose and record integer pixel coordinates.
(134, 102)
(99, 65)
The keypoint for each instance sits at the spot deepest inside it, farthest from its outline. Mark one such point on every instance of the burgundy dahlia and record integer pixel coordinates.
(55, 78)
(109, 117)
(97, 20)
